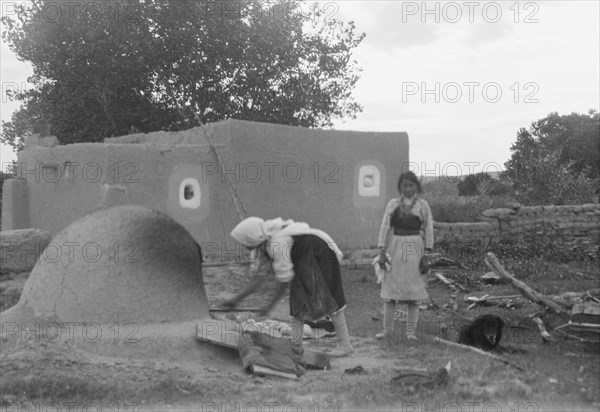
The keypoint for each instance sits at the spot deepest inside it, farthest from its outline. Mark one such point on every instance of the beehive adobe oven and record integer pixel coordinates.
(125, 267)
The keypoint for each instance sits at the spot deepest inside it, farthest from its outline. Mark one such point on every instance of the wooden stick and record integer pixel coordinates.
(234, 309)
(476, 299)
(225, 234)
(577, 337)
(582, 327)
(445, 281)
(479, 351)
(502, 297)
(243, 213)
(540, 324)
(262, 370)
(231, 262)
(533, 295)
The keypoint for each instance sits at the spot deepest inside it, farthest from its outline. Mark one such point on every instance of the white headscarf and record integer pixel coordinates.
(254, 231)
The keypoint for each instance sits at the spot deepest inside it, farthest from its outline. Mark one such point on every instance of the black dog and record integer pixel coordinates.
(484, 332)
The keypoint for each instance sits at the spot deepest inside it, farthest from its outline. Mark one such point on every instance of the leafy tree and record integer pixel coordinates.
(471, 184)
(575, 138)
(109, 68)
(467, 186)
(555, 183)
(557, 160)
(481, 184)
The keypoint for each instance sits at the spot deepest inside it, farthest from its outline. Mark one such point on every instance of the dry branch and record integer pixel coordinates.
(479, 351)
(502, 297)
(452, 285)
(444, 280)
(533, 295)
(542, 328)
(485, 298)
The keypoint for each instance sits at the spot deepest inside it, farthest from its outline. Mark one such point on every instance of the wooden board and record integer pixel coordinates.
(586, 308)
(263, 371)
(225, 332)
(254, 309)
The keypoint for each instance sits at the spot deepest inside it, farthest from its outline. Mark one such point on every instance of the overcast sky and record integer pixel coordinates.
(461, 86)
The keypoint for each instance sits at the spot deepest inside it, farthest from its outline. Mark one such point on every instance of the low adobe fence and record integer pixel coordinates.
(577, 221)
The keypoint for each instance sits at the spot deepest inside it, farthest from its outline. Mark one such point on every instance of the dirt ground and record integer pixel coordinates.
(561, 375)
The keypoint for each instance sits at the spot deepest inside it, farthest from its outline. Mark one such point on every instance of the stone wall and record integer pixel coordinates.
(20, 249)
(578, 221)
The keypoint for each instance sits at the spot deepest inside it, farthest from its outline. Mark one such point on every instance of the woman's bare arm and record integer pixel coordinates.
(259, 268)
(281, 291)
(251, 287)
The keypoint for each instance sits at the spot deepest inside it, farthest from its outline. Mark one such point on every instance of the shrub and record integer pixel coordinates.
(441, 186)
(452, 209)
(551, 183)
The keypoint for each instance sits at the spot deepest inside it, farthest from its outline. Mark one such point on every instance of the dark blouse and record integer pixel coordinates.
(421, 210)
(405, 224)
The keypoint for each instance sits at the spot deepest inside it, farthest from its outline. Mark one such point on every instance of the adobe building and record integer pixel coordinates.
(205, 178)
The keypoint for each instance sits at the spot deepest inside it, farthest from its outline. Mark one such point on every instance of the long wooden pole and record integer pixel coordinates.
(492, 262)
(239, 205)
(225, 234)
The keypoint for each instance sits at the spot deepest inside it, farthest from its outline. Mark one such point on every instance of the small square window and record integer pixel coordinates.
(189, 193)
(369, 181)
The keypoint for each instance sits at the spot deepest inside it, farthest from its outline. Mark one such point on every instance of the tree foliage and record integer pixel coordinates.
(441, 186)
(557, 160)
(108, 68)
(480, 184)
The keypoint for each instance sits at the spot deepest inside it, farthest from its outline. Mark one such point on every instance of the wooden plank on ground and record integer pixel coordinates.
(225, 332)
(262, 371)
(250, 309)
(588, 308)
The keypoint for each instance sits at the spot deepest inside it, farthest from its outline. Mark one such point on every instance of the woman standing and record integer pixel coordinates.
(409, 218)
(304, 259)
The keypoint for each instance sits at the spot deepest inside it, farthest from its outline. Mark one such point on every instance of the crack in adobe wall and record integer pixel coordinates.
(62, 288)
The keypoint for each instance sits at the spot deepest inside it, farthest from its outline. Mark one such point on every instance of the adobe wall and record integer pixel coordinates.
(324, 192)
(578, 221)
(309, 175)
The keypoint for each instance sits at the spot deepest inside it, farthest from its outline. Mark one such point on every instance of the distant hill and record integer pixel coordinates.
(429, 178)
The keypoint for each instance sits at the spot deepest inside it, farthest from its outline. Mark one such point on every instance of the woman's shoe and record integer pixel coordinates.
(340, 351)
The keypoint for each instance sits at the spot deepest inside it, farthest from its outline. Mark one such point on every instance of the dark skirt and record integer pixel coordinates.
(316, 289)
